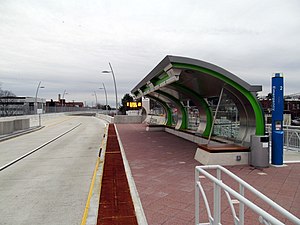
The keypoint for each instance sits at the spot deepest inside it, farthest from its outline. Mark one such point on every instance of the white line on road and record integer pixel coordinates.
(38, 148)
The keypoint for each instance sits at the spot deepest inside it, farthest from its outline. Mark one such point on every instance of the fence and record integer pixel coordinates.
(240, 198)
(291, 133)
(291, 137)
(58, 109)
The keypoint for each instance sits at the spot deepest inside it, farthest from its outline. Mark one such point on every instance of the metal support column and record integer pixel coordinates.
(215, 116)
(277, 120)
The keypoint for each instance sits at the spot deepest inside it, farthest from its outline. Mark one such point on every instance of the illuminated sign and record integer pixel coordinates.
(134, 105)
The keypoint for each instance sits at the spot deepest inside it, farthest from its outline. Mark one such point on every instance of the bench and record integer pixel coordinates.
(222, 154)
(155, 127)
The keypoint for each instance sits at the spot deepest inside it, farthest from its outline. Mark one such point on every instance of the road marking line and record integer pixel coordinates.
(38, 148)
(87, 205)
(99, 163)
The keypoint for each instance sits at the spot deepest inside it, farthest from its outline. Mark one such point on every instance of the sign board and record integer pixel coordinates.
(134, 105)
(277, 120)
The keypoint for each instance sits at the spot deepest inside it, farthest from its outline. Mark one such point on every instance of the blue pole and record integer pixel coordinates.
(277, 119)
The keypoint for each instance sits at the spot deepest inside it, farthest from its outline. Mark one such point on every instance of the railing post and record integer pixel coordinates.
(242, 206)
(287, 138)
(197, 197)
(264, 217)
(298, 142)
(217, 200)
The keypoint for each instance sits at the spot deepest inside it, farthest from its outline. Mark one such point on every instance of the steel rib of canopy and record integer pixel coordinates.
(191, 79)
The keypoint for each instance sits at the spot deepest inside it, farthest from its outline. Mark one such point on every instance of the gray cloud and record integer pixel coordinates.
(66, 44)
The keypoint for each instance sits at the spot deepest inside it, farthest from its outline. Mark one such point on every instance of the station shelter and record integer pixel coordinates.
(204, 99)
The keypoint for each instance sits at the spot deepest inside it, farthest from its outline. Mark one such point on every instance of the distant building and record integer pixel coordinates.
(63, 103)
(291, 106)
(16, 106)
(62, 106)
(291, 109)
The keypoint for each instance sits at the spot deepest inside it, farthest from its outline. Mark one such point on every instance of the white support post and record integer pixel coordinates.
(217, 200)
(40, 120)
(215, 116)
(242, 206)
(287, 138)
(264, 217)
(197, 197)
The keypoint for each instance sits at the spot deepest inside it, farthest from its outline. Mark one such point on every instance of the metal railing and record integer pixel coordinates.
(219, 185)
(291, 137)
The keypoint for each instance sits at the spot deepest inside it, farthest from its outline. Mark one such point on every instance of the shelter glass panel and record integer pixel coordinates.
(227, 121)
(193, 116)
(157, 113)
(174, 113)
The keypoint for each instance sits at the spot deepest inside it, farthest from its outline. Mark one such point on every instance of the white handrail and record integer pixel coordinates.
(291, 137)
(265, 217)
(262, 196)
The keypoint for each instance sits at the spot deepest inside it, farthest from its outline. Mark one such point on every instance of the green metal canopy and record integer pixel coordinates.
(177, 79)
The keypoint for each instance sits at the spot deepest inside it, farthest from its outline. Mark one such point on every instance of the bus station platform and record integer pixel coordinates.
(163, 169)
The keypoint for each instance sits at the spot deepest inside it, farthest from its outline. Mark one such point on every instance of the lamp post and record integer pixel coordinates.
(96, 101)
(112, 72)
(105, 96)
(62, 99)
(65, 93)
(36, 94)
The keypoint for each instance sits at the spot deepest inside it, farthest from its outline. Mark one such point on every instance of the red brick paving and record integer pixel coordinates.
(115, 206)
(163, 167)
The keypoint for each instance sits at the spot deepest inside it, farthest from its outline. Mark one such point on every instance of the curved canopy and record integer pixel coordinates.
(177, 79)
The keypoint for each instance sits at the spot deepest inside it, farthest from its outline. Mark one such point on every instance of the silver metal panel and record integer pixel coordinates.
(165, 63)
(169, 101)
(183, 97)
(206, 85)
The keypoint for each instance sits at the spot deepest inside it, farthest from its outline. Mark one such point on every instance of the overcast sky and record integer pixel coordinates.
(66, 44)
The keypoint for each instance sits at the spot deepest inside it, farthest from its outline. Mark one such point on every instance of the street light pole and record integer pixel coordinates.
(112, 72)
(105, 95)
(63, 99)
(36, 94)
(96, 101)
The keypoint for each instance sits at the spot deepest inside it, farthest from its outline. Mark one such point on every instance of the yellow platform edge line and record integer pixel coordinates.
(87, 205)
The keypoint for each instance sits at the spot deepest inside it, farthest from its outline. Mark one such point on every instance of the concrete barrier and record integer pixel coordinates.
(119, 119)
(9, 126)
(6, 127)
(107, 118)
(21, 124)
(124, 119)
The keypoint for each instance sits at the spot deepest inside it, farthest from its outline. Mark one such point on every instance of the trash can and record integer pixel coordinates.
(260, 153)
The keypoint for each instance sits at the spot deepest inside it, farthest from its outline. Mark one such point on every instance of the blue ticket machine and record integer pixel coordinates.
(277, 119)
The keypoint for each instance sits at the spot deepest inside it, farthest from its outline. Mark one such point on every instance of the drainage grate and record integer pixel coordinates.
(115, 206)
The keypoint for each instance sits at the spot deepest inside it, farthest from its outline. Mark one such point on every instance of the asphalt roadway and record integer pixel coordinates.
(51, 185)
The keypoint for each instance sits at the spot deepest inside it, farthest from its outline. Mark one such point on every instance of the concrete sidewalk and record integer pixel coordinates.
(163, 168)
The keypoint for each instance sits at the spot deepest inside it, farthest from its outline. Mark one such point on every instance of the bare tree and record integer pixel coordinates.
(8, 104)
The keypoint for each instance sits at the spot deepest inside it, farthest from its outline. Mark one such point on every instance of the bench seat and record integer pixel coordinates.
(222, 154)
